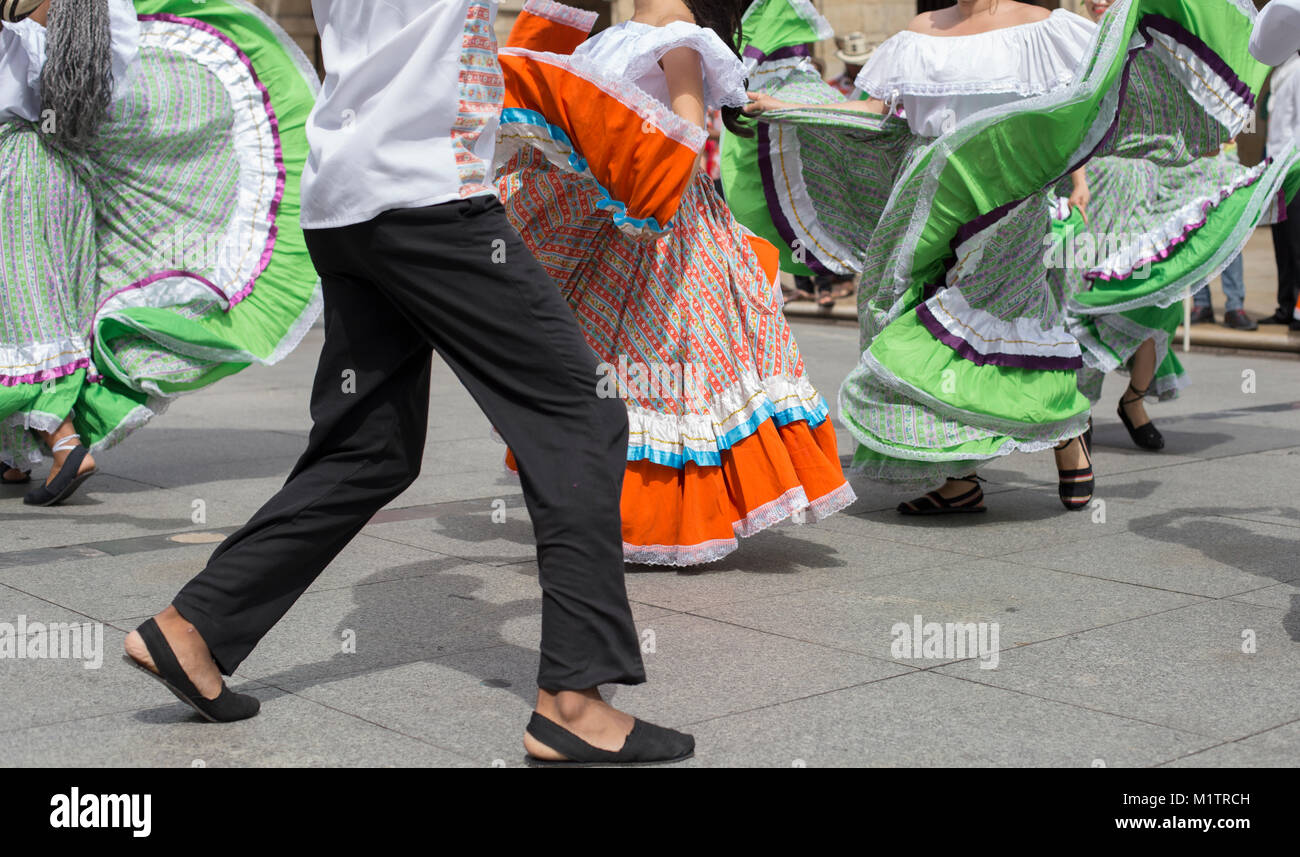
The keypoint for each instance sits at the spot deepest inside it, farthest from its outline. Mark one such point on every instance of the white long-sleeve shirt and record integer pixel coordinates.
(22, 57)
(1284, 107)
(408, 113)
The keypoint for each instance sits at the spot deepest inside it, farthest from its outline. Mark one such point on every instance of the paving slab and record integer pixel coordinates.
(1183, 668)
(1027, 604)
(933, 720)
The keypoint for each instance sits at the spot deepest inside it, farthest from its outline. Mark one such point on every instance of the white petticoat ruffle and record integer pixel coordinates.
(632, 51)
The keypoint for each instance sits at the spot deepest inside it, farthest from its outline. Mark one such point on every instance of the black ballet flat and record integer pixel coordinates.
(1146, 436)
(646, 744)
(226, 708)
(66, 482)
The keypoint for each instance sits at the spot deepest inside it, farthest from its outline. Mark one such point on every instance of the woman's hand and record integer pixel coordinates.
(1081, 196)
(760, 102)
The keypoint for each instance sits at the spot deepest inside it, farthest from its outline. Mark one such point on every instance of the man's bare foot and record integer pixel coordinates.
(189, 648)
(585, 714)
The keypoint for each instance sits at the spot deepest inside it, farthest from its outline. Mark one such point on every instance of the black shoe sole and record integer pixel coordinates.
(546, 763)
(165, 683)
(76, 483)
(951, 510)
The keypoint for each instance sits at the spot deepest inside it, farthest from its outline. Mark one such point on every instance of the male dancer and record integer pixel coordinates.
(416, 255)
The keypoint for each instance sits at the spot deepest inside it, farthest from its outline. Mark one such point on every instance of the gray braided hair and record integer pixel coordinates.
(77, 80)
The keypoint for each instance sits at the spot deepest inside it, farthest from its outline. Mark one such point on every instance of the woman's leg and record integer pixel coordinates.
(1142, 369)
(62, 441)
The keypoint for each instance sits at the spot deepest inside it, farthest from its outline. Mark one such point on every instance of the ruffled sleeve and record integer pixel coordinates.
(23, 52)
(633, 51)
(1028, 60)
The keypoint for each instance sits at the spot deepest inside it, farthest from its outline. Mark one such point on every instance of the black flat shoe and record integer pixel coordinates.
(646, 744)
(934, 503)
(1076, 486)
(226, 708)
(1276, 318)
(1146, 436)
(1202, 315)
(69, 478)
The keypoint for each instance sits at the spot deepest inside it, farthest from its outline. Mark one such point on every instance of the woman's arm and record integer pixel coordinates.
(760, 102)
(685, 84)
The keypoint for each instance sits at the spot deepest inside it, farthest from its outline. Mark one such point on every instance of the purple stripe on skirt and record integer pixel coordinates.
(968, 351)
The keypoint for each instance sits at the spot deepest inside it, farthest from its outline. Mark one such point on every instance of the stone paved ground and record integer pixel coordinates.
(1121, 639)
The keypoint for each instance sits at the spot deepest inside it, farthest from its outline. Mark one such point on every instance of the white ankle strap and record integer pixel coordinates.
(69, 442)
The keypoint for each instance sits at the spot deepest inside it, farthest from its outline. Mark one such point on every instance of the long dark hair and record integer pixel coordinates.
(724, 18)
(77, 79)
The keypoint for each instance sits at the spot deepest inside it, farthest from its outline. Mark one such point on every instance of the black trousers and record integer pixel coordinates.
(456, 278)
(1286, 250)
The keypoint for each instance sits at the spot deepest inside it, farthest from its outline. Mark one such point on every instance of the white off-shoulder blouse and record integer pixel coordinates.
(942, 80)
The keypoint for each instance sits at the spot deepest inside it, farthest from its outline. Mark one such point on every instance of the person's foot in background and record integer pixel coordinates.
(1202, 315)
(1238, 320)
(1278, 317)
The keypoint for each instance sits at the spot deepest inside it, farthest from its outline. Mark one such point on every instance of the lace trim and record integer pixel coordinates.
(768, 515)
(900, 66)
(732, 415)
(579, 19)
(724, 73)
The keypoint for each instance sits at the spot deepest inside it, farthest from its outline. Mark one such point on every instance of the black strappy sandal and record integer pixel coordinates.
(646, 744)
(972, 502)
(226, 708)
(69, 478)
(6, 467)
(1077, 486)
(1146, 436)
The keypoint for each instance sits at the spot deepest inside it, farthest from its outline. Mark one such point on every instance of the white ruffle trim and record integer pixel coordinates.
(241, 248)
(1158, 242)
(990, 335)
(783, 508)
(729, 417)
(36, 358)
(632, 51)
(1031, 59)
(579, 19)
